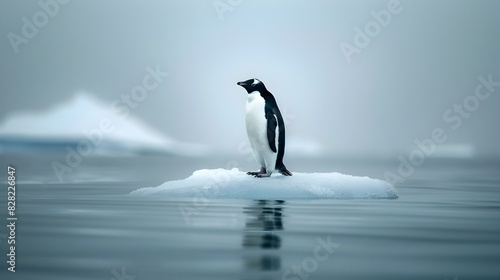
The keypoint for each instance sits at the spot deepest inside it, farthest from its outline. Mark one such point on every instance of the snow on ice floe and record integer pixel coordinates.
(235, 184)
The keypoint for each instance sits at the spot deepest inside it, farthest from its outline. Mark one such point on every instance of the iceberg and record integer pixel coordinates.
(235, 184)
(80, 119)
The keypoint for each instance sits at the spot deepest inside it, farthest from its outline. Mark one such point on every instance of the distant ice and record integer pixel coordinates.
(464, 150)
(235, 184)
(79, 118)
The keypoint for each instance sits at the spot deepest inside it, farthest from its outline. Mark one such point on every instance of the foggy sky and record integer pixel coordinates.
(427, 58)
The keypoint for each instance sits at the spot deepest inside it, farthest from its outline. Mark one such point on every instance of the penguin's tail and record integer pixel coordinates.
(284, 171)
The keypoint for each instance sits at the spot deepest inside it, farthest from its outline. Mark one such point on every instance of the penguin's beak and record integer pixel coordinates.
(241, 84)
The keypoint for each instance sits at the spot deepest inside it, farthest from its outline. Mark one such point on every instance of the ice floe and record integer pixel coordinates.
(235, 184)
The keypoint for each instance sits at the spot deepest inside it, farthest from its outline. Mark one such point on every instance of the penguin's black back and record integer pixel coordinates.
(271, 108)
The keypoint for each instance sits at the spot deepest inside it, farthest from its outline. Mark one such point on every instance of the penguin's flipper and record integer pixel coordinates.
(272, 123)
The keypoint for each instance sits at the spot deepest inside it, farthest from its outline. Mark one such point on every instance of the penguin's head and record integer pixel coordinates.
(252, 85)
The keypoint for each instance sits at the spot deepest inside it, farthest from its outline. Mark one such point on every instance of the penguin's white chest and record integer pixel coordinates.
(256, 124)
(255, 119)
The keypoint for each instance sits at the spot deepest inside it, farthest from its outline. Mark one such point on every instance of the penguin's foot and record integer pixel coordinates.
(264, 175)
(255, 173)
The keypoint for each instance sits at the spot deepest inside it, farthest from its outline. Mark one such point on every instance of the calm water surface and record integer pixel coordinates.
(445, 225)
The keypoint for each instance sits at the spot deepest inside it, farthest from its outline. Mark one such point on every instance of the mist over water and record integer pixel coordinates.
(411, 65)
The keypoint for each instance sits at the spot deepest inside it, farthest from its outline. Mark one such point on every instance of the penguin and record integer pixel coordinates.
(265, 129)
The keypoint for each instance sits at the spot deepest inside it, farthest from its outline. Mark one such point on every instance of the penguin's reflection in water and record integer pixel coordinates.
(261, 236)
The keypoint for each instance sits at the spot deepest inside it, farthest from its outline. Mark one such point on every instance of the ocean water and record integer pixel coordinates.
(444, 225)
